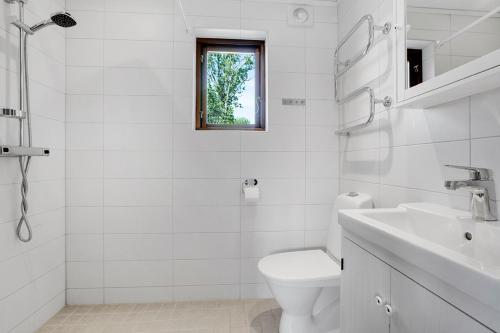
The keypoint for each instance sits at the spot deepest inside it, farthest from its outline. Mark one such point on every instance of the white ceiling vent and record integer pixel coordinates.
(300, 15)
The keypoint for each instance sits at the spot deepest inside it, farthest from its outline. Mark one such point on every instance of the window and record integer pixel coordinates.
(230, 84)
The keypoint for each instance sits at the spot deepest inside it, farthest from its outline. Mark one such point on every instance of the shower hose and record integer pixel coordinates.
(24, 162)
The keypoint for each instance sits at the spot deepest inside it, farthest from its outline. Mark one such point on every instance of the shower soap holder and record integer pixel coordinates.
(19, 151)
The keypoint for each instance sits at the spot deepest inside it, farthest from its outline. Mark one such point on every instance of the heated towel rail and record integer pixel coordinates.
(387, 102)
(342, 67)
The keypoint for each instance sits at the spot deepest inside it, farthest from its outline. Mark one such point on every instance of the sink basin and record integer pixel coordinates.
(444, 242)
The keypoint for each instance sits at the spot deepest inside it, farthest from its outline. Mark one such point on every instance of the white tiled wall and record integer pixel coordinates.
(401, 157)
(154, 208)
(32, 276)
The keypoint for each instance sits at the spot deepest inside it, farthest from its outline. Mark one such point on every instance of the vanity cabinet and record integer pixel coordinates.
(377, 298)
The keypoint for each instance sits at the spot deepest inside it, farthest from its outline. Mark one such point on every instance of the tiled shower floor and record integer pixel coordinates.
(248, 316)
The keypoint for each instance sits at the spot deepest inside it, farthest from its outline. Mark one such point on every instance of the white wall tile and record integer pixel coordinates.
(137, 247)
(186, 139)
(272, 218)
(137, 81)
(143, 54)
(137, 220)
(485, 115)
(260, 244)
(90, 23)
(147, 6)
(119, 274)
(206, 165)
(84, 296)
(279, 138)
(272, 165)
(84, 164)
(84, 192)
(124, 26)
(138, 109)
(82, 275)
(84, 108)
(84, 52)
(484, 155)
(84, 247)
(321, 191)
(215, 219)
(141, 137)
(203, 272)
(144, 164)
(210, 292)
(281, 191)
(208, 245)
(84, 220)
(207, 192)
(138, 295)
(318, 217)
(137, 192)
(84, 80)
(422, 166)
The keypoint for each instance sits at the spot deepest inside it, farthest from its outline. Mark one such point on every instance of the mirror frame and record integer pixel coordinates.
(476, 76)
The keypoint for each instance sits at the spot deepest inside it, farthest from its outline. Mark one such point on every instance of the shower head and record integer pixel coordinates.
(62, 19)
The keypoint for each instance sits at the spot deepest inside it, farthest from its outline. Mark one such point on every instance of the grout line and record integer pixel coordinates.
(103, 217)
(172, 162)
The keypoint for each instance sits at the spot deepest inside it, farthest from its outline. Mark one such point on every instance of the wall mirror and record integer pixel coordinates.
(443, 42)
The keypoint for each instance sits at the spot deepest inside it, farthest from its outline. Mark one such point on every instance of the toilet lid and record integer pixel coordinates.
(314, 265)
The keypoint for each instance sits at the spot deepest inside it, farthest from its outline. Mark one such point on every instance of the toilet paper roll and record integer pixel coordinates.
(251, 194)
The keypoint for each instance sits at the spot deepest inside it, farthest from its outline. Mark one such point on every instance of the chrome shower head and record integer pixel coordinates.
(62, 19)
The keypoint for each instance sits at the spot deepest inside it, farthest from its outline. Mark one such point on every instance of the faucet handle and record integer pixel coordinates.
(474, 173)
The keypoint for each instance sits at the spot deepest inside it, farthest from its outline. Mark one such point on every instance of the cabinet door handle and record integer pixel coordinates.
(379, 301)
(388, 310)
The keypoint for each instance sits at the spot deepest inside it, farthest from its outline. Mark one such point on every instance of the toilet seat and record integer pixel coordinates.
(312, 268)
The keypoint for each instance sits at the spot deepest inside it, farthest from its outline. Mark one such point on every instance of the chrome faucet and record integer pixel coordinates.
(478, 183)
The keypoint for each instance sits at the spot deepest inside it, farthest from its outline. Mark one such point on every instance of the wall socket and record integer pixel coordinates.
(293, 101)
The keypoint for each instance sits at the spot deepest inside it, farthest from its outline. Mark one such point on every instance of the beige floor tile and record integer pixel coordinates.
(226, 316)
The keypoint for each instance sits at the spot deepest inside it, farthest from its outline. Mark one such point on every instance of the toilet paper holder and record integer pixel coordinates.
(250, 182)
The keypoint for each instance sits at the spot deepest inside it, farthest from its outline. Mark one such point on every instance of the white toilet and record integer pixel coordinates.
(306, 284)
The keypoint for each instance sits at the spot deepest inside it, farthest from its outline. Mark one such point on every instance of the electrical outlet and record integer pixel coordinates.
(293, 102)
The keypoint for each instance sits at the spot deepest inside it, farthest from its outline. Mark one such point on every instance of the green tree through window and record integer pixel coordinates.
(227, 77)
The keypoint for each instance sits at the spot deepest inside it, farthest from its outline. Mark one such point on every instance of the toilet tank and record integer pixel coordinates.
(351, 200)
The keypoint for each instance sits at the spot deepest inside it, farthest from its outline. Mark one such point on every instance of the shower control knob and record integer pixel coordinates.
(379, 301)
(388, 310)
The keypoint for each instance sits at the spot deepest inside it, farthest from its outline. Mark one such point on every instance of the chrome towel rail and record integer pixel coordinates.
(387, 102)
(348, 64)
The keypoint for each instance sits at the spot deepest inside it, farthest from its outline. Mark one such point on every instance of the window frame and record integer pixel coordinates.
(203, 45)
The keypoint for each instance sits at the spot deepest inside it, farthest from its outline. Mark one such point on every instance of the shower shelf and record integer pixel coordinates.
(12, 113)
(19, 151)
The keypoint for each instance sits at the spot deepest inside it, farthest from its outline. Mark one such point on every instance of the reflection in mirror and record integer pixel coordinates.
(444, 36)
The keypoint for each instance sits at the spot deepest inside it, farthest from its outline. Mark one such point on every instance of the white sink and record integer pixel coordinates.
(433, 238)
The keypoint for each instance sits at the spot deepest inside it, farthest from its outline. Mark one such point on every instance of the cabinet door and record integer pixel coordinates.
(363, 279)
(417, 310)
